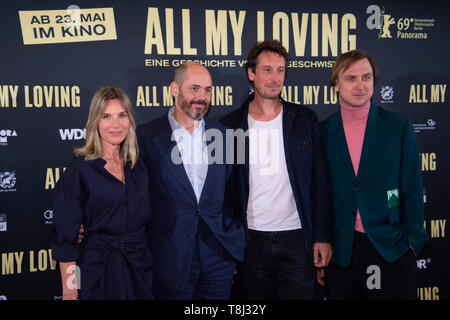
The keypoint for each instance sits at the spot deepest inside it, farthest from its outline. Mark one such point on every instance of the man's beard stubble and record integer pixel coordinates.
(195, 114)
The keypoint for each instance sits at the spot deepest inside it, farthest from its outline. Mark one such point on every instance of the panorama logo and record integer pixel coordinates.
(4, 134)
(403, 27)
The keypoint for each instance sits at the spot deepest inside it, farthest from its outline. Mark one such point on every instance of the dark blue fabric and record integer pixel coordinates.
(176, 213)
(211, 271)
(114, 257)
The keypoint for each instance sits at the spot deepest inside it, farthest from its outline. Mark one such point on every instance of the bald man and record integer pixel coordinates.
(195, 238)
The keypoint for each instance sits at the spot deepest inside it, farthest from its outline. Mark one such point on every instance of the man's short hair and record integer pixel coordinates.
(345, 60)
(180, 73)
(267, 45)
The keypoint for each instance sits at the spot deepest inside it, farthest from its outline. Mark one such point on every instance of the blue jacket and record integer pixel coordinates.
(176, 213)
(306, 165)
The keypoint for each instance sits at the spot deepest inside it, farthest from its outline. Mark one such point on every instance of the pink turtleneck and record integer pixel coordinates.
(354, 121)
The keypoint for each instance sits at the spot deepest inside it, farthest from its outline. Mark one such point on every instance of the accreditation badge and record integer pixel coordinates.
(393, 199)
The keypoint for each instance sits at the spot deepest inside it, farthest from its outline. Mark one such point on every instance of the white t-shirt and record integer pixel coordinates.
(271, 203)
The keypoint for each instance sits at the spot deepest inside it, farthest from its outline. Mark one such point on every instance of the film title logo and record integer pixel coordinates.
(423, 93)
(153, 96)
(428, 160)
(38, 260)
(435, 228)
(428, 293)
(309, 94)
(401, 28)
(169, 32)
(52, 176)
(39, 96)
(70, 25)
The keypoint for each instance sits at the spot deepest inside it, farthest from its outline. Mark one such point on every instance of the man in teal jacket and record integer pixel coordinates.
(377, 190)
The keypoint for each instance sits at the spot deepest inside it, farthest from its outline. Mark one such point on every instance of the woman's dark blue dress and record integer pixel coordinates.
(114, 257)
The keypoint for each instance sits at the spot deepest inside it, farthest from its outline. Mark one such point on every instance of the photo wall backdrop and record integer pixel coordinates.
(56, 54)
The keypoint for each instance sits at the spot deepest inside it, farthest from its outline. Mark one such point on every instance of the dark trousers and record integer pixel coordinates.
(370, 277)
(276, 266)
(211, 271)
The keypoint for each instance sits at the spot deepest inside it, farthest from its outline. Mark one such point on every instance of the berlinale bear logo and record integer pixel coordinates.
(379, 19)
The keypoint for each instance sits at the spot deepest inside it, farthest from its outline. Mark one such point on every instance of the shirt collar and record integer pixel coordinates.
(176, 126)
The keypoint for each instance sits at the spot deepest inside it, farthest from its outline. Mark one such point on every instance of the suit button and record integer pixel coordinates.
(357, 189)
(192, 235)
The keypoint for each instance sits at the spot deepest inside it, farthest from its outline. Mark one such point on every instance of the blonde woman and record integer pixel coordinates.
(105, 189)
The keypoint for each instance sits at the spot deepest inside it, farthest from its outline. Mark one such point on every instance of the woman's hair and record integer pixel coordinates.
(93, 147)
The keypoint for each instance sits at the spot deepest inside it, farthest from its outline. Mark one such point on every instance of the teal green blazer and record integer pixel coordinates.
(387, 189)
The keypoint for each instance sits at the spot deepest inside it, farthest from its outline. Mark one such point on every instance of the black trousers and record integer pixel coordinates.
(276, 266)
(370, 277)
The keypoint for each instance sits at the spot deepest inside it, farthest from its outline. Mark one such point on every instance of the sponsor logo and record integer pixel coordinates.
(7, 181)
(48, 215)
(430, 124)
(3, 226)
(72, 134)
(4, 134)
(423, 263)
(387, 94)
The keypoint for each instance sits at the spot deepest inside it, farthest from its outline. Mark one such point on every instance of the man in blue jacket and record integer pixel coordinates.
(377, 190)
(281, 186)
(194, 237)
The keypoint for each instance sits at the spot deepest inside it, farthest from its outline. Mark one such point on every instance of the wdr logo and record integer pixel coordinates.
(72, 134)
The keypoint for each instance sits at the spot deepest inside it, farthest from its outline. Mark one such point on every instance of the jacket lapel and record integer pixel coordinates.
(375, 137)
(288, 119)
(211, 174)
(243, 124)
(337, 145)
(167, 147)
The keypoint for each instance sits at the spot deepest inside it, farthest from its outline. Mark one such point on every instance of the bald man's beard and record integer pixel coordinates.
(195, 113)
